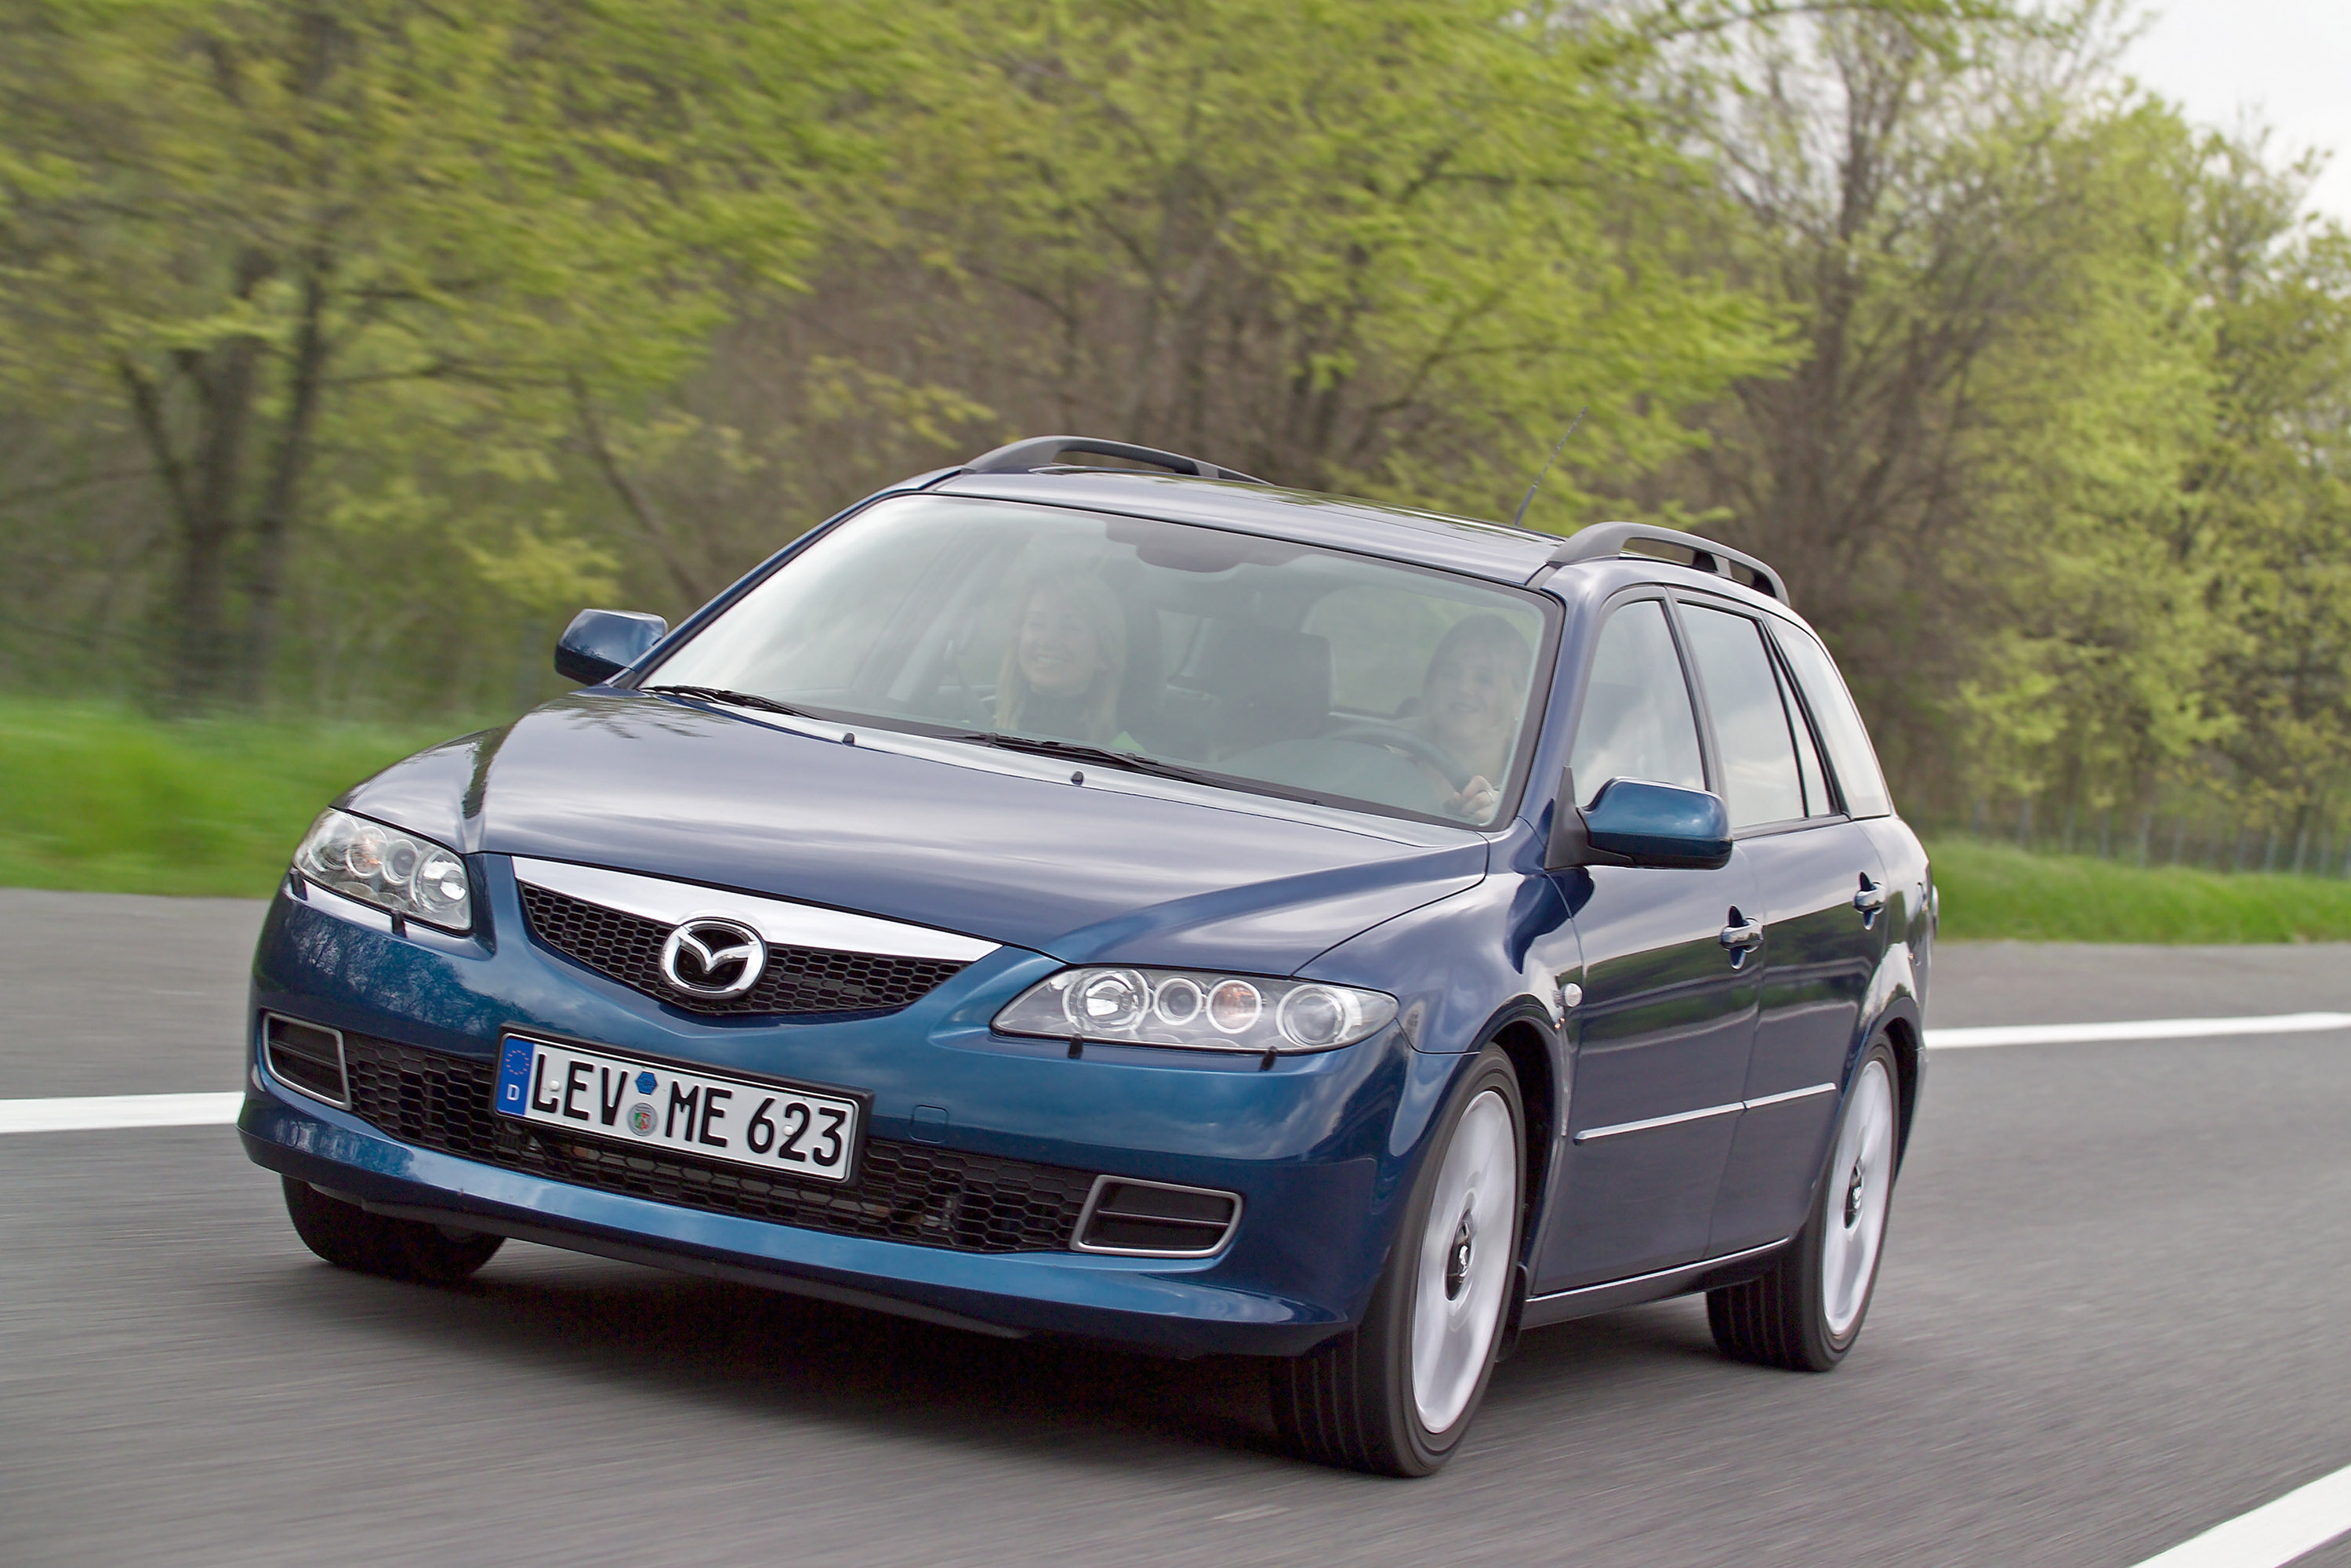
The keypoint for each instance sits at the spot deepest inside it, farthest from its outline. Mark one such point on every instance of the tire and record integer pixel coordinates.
(444, 1257)
(350, 1238)
(1395, 1395)
(1805, 1314)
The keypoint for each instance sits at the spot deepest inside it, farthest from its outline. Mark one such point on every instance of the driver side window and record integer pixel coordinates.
(1637, 720)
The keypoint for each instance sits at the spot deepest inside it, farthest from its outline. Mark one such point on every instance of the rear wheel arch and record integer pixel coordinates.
(1903, 1034)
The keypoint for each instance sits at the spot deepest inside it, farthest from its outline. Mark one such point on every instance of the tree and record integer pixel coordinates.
(2269, 487)
(1389, 245)
(1971, 476)
(242, 220)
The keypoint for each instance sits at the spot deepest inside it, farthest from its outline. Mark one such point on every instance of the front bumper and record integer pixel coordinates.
(1319, 1147)
(1158, 1304)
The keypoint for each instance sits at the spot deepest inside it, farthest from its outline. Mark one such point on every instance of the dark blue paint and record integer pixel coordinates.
(1666, 1026)
(1659, 825)
(989, 843)
(1818, 958)
(1470, 930)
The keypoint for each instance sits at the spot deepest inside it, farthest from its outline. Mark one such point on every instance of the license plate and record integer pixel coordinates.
(776, 1129)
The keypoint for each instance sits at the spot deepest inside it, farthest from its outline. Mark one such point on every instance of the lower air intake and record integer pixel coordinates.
(1154, 1219)
(307, 1057)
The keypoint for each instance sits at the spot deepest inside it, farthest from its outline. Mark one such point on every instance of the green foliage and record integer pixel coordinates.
(2269, 495)
(345, 350)
(106, 800)
(1994, 892)
(2054, 471)
(1383, 246)
(273, 238)
(2088, 676)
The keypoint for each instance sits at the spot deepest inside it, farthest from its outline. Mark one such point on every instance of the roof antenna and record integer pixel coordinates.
(1521, 514)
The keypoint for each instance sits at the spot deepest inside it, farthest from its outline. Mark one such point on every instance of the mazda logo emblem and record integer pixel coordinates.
(712, 959)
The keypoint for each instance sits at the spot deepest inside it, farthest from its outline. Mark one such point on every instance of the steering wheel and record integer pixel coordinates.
(1410, 740)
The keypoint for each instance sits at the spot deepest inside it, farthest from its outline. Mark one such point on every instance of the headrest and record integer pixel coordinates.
(1271, 685)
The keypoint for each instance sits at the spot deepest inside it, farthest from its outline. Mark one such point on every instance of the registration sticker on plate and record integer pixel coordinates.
(779, 1129)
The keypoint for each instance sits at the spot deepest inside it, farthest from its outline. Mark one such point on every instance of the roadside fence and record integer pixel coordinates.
(2212, 841)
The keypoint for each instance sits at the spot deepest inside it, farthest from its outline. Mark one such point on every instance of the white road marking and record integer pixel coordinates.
(2143, 1029)
(214, 1109)
(90, 1112)
(2274, 1534)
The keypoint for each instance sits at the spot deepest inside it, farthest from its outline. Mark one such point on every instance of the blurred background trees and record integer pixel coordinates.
(347, 346)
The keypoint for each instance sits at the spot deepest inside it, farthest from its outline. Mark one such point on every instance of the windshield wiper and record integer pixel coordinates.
(1070, 750)
(734, 699)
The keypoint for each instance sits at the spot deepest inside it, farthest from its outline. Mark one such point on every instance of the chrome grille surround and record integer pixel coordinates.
(819, 961)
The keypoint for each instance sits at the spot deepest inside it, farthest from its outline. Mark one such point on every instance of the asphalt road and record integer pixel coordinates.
(2113, 1314)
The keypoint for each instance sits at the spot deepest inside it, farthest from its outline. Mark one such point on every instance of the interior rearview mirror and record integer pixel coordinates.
(600, 643)
(1634, 823)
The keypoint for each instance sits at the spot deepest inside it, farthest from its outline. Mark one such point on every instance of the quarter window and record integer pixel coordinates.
(1637, 721)
(1818, 801)
(1855, 764)
(1761, 782)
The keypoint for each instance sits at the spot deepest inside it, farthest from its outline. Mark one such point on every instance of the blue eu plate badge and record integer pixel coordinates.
(514, 1077)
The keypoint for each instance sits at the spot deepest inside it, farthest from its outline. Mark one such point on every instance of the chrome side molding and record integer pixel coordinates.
(1618, 1129)
(1786, 1096)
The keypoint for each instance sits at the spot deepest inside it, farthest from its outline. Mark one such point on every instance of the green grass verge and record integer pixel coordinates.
(1994, 892)
(105, 800)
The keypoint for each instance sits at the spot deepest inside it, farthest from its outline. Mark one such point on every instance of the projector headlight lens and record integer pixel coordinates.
(398, 873)
(1197, 1010)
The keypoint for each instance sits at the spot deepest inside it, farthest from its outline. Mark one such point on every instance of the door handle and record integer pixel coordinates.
(1869, 901)
(1741, 934)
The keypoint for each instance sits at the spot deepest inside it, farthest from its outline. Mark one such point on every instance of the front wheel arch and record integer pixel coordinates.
(1542, 1106)
(1354, 1399)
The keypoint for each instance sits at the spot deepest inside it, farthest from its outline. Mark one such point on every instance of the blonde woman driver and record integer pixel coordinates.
(1066, 663)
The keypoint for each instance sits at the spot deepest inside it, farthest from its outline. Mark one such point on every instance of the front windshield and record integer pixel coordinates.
(1255, 664)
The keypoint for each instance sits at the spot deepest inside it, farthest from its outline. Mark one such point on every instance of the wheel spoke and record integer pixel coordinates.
(1457, 1307)
(1853, 1211)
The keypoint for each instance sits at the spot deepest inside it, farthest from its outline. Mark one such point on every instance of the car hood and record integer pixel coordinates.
(1000, 846)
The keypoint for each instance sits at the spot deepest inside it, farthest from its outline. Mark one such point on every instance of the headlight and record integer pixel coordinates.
(1195, 1009)
(409, 876)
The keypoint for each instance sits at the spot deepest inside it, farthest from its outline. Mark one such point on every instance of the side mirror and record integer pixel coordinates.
(600, 643)
(1636, 822)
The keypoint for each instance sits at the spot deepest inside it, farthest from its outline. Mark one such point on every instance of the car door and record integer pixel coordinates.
(1665, 1026)
(1818, 886)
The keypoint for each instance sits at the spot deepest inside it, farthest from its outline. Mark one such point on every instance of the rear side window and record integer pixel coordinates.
(1850, 756)
(1761, 782)
(1637, 720)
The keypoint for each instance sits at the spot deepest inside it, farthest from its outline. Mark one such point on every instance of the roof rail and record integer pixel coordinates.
(1045, 452)
(1607, 542)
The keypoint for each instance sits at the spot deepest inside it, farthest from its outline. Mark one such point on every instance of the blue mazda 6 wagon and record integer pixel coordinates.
(1091, 891)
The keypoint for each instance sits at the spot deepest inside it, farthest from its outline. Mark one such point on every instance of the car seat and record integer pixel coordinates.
(1266, 685)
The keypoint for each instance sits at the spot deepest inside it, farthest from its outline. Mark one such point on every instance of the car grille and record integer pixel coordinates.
(903, 1192)
(795, 979)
